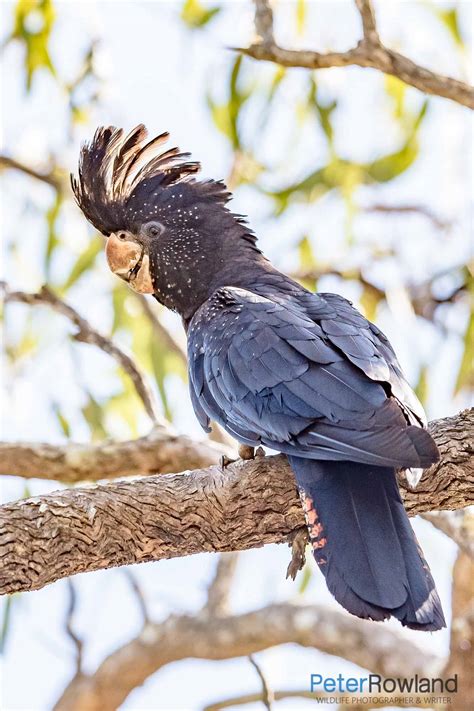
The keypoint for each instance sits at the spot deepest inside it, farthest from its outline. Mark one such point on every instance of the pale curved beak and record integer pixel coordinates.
(127, 259)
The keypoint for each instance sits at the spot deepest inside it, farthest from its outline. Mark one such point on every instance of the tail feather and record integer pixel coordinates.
(363, 542)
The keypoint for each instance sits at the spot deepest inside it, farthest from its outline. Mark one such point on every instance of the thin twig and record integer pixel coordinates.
(139, 595)
(217, 434)
(87, 334)
(78, 643)
(217, 604)
(409, 210)
(264, 21)
(369, 25)
(369, 52)
(267, 694)
(50, 178)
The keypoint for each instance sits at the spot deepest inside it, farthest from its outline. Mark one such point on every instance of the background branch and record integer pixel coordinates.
(219, 590)
(369, 52)
(76, 640)
(382, 651)
(267, 697)
(88, 334)
(50, 178)
(160, 451)
(247, 505)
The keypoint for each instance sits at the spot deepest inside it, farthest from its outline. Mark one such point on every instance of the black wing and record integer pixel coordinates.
(269, 373)
(365, 345)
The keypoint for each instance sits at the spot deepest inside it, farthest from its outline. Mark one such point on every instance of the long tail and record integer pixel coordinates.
(363, 542)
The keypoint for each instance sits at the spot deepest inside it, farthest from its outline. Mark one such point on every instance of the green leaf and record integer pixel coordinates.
(310, 189)
(226, 116)
(305, 578)
(396, 89)
(120, 296)
(84, 262)
(323, 111)
(465, 377)
(6, 619)
(421, 388)
(392, 165)
(196, 16)
(300, 15)
(94, 414)
(370, 300)
(158, 361)
(346, 176)
(34, 20)
(53, 238)
(62, 421)
(450, 20)
(306, 253)
(126, 403)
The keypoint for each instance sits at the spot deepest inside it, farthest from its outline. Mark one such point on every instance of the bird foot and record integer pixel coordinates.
(297, 541)
(224, 462)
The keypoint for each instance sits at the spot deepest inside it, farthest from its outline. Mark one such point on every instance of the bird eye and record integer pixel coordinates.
(155, 229)
(122, 236)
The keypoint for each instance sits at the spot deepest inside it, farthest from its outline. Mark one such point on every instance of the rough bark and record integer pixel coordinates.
(369, 52)
(247, 505)
(382, 651)
(159, 452)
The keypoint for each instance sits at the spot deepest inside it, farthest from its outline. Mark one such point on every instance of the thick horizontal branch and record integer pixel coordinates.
(247, 505)
(369, 52)
(379, 650)
(159, 452)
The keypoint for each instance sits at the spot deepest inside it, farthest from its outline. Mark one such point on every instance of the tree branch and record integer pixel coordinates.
(267, 696)
(87, 334)
(247, 505)
(219, 590)
(159, 452)
(75, 639)
(49, 178)
(378, 649)
(369, 52)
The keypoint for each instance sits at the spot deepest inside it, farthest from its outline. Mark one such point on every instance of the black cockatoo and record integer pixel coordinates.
(274, 364)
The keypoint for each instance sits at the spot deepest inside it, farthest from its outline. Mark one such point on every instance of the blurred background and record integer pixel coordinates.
(353, 182)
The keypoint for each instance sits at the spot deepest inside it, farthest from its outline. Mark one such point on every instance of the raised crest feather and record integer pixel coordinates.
(115, 168)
